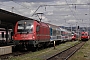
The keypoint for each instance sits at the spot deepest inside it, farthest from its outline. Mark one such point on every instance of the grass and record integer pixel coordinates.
(83, 53)
(44, 53)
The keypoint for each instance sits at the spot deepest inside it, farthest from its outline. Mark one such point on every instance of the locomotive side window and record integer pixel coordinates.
(37, 28)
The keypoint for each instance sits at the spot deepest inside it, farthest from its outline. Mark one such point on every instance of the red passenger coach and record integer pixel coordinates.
(31, 33)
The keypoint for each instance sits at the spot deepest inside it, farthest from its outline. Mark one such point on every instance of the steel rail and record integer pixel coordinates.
(66, 54)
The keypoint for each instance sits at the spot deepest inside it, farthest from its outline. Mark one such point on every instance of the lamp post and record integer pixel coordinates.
(89, 18)
(12, 9)
(65, 23)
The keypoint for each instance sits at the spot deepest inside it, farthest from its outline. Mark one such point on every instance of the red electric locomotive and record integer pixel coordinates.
(84, 36)
(74, 36)
(31, 33)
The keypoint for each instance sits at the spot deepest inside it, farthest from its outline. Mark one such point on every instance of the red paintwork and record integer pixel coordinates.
(84, 35)
(73, 38)
(42, 35)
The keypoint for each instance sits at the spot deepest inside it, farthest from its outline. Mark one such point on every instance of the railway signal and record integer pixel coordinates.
(78, 27)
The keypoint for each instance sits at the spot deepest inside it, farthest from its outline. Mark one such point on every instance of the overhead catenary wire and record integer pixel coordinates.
(75, 9)
(73, 13)
(55, 5)
(71, 10)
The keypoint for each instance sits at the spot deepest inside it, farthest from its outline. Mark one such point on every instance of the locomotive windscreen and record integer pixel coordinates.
(25, 26)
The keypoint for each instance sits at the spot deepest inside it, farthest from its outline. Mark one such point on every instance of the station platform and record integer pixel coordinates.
(5, 50)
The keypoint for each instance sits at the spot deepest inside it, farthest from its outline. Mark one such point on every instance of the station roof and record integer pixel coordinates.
(8, 18)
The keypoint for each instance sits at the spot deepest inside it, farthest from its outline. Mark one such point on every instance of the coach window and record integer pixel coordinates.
(54, 32)
(58, 32)
(62, 33)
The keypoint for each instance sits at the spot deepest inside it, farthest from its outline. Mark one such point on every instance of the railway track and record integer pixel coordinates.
(66, 54)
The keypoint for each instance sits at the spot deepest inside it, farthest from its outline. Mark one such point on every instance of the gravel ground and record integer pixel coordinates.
(45, 53)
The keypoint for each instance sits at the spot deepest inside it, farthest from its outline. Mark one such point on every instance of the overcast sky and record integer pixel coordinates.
(61, 13)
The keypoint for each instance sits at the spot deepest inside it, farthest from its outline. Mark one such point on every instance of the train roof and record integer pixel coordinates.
(84, 32)
(64, 30)
(52, 26)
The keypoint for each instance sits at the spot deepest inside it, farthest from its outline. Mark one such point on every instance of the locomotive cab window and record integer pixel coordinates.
(86, 34)
(24, 28)
(20, 26)
(29, 27)
(82, 34)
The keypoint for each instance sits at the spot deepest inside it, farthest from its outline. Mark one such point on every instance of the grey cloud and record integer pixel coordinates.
(28, 0)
